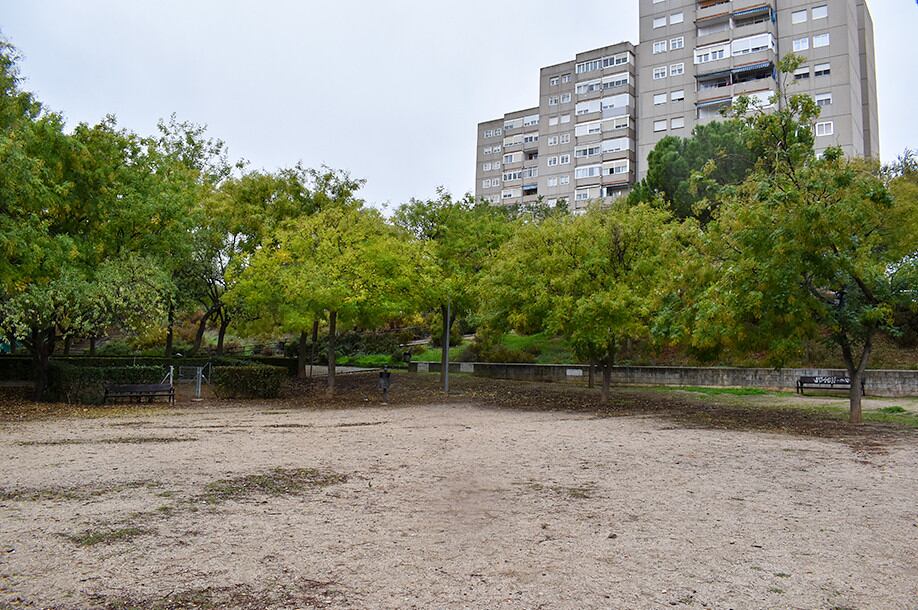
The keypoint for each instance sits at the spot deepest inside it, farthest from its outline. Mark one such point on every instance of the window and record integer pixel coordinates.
(565, 78)
(821, 40)
(822, 70)
(753, 44)
(798, 16)
(587, 151)
(553, 100)
(676, 18)
(826, 128)
(659, 73)
(529, 121)
(513, 124)
(565, 179)
(659, 47)
(565, 138)
(587, 129)
(530, 138)
(486, 167)
(486, 183)
(714, 28)
(823, 99)
(704, 55)
(565, 98)
(677, 70)
(677, 123)
(497, 148)
(554, 80)
(659, 22)
(588, 86)
(616, 144)
(510, 193)
(616, 80)
(801, 44)
(511, 176)
(820, 12)
(564, 159)
(516, 157)
(552, 140)
(553, 181)
(565, 118)
(552, 121)
(659, 125)
(489, 133)
(802, 73)
(588, 66)
(677, 43)
(621, 122)
(677, 96)
(496, 165)
(486, 150)
(616, 101)
(659, 98)
(588, 171)
(587, 107)
(498, 132)
(614, 168)
(552, 161)
(582, 195)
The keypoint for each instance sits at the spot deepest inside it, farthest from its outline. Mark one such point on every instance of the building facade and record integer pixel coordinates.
(600, 114)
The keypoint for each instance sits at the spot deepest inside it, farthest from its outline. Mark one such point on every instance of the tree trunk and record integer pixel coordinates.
(606, 381)
(42, 345)
(13, 346)
(856, 372)
(332, 323)
(315, 340)
(444, 345)
(92, 345)
(199, 335)
(590, 375)
(68, 341)
(301, 355)
(169, 331)
(224, 322)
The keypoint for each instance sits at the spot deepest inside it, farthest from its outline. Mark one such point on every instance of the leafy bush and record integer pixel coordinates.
(478, 352)
(15, 368)
(254, 381)
(86, 384)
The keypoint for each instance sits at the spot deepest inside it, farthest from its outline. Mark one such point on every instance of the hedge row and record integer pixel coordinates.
(20, 368)
(252, 381)
(86, 384)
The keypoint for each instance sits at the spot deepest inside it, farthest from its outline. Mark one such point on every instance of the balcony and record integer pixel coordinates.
(736, 81)
(712, 8)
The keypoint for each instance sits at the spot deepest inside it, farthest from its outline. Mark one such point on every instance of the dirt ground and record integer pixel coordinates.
(504, 495)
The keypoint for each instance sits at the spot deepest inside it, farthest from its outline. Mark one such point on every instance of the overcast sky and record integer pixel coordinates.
(391, 91)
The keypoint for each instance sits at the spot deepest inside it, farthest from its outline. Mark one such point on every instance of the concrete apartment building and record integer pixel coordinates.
(600, 114)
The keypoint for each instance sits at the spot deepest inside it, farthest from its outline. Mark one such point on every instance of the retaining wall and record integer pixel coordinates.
(878, 382)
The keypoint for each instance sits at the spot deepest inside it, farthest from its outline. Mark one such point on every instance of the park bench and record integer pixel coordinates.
(138, 391)
(827, 382)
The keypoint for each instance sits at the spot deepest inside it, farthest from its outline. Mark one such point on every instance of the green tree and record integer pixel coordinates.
(687, 173)
(344, 264)
(806, 247)
(85, 214)
(462, 235)
(592, 278)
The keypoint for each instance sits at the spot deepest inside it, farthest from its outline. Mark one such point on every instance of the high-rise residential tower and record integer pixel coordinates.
(600, 114)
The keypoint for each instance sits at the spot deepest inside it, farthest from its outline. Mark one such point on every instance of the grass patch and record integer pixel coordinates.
(893, 409)
(107, 536)
(367, 360)
(433, 354)
(708, 391)
(70, 493)
(902, 418)
(548, 349)
(276, 482)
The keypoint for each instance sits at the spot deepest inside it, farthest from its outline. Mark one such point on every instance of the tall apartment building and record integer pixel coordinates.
(602, 113)
(578, 144)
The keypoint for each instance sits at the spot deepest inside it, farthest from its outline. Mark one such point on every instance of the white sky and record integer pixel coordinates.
(391, 91)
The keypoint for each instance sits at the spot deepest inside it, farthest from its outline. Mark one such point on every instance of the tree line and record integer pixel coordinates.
(739, 239)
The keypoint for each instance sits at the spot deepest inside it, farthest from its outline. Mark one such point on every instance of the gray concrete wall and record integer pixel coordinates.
(879, 382)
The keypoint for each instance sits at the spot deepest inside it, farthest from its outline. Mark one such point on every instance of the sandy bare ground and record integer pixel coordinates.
(454, 505)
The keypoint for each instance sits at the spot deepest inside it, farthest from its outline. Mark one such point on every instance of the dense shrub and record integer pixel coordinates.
(86, 384)
(478, 352)
(254, 381)
(15, 368)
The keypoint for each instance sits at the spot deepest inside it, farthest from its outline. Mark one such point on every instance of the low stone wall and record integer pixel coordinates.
(879, 382)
